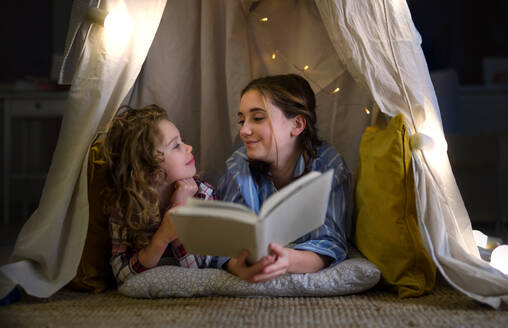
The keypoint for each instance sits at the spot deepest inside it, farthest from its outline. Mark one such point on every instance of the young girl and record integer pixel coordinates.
(150, 171)
(277, 117)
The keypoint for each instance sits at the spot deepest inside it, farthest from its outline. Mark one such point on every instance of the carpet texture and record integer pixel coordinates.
(444, 307)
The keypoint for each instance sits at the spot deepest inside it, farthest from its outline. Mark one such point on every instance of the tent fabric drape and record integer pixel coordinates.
(380, 46)
(48, 249)
(203, 54)
(195, 69)
(199, 75)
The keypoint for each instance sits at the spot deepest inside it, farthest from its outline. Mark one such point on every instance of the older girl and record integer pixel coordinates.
(277, 118)
(150, 171)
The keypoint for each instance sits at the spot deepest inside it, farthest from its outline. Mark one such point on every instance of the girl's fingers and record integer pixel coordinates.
(276, 248)
(267, 276)
(242, 256)
(277, 266)
(258, 267)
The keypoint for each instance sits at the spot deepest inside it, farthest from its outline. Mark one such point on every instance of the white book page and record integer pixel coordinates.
(196, 202)
(215, 236)
(278, 197)
(216, 213)
(299, 214)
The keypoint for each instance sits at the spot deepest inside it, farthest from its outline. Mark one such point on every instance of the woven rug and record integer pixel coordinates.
(444, 307)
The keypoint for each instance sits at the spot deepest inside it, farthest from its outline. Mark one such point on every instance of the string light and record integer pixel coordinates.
(276, 54)
(367, 111)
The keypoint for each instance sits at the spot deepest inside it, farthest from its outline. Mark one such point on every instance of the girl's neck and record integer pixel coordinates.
(283, 169)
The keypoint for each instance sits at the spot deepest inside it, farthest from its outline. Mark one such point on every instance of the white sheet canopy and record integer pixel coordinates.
(202, 54)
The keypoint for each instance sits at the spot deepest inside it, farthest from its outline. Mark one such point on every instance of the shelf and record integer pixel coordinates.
(29, 138)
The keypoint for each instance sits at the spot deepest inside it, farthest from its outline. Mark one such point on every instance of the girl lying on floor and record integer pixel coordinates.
(277, 118)
(150, 171)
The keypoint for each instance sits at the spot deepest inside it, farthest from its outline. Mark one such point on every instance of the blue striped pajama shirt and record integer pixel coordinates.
(238, 185)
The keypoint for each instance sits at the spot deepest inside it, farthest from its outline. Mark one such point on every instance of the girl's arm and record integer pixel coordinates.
(151, 254)
(126, 260)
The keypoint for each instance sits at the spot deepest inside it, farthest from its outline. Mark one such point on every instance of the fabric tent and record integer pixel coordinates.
(202, 54)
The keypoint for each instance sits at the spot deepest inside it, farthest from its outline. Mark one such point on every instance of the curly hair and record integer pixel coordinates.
(132, 161)
(294, 96)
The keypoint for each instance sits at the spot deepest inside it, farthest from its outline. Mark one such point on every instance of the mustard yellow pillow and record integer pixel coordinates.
(387, 230)
(94, 272)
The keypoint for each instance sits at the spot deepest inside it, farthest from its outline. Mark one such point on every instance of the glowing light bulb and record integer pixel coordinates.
(367, 111)
(118, 27)
(499, 258)
(423, 142)
(118, 23)
(274, 56)
(336, 90)
(264, 19)
(306, 67)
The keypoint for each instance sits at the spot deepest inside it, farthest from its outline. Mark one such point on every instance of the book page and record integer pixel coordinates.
(278, 197)
(196, 202)
(226, 235)
(300, 213)
(216, 212)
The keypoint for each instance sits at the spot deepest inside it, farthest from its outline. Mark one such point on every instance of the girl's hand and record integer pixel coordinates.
(240, 268)
(183, 190)
(282, 260)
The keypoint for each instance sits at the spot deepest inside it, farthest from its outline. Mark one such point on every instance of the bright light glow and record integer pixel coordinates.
(367, 111)
(336, 90)
(306, 67)
(480, 238)
(421, 141)
(274, 56)
(264, 19)
(499, 258)
(118, 27)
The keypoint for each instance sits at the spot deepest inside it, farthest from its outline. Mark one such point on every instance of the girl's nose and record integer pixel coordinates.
(245, 129)
(189, 148)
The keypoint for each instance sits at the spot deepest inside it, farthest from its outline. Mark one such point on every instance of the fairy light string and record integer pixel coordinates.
(305, 70)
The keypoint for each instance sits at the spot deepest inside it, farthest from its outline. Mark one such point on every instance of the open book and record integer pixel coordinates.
(209, 227)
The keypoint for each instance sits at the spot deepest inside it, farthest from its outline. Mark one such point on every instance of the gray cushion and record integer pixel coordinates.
(353, 275)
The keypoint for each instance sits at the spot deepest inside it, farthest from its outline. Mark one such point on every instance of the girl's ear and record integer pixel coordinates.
(299, 124)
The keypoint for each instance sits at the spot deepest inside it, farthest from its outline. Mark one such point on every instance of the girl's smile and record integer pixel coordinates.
(264, 128)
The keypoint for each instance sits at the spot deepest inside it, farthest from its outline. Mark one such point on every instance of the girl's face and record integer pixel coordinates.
(257, 135)
(178, 160)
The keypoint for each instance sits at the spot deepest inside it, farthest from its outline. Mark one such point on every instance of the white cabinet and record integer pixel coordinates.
(31, 121)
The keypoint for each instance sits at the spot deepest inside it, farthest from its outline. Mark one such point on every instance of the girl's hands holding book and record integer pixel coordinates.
(239, 266)
(288, 260)
(282, 259)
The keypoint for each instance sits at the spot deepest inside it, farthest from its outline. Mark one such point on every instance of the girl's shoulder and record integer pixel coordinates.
(328, 157)
(238, 158)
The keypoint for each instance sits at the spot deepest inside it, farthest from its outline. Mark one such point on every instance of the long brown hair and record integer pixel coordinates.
(132, 162)
(294, 96)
